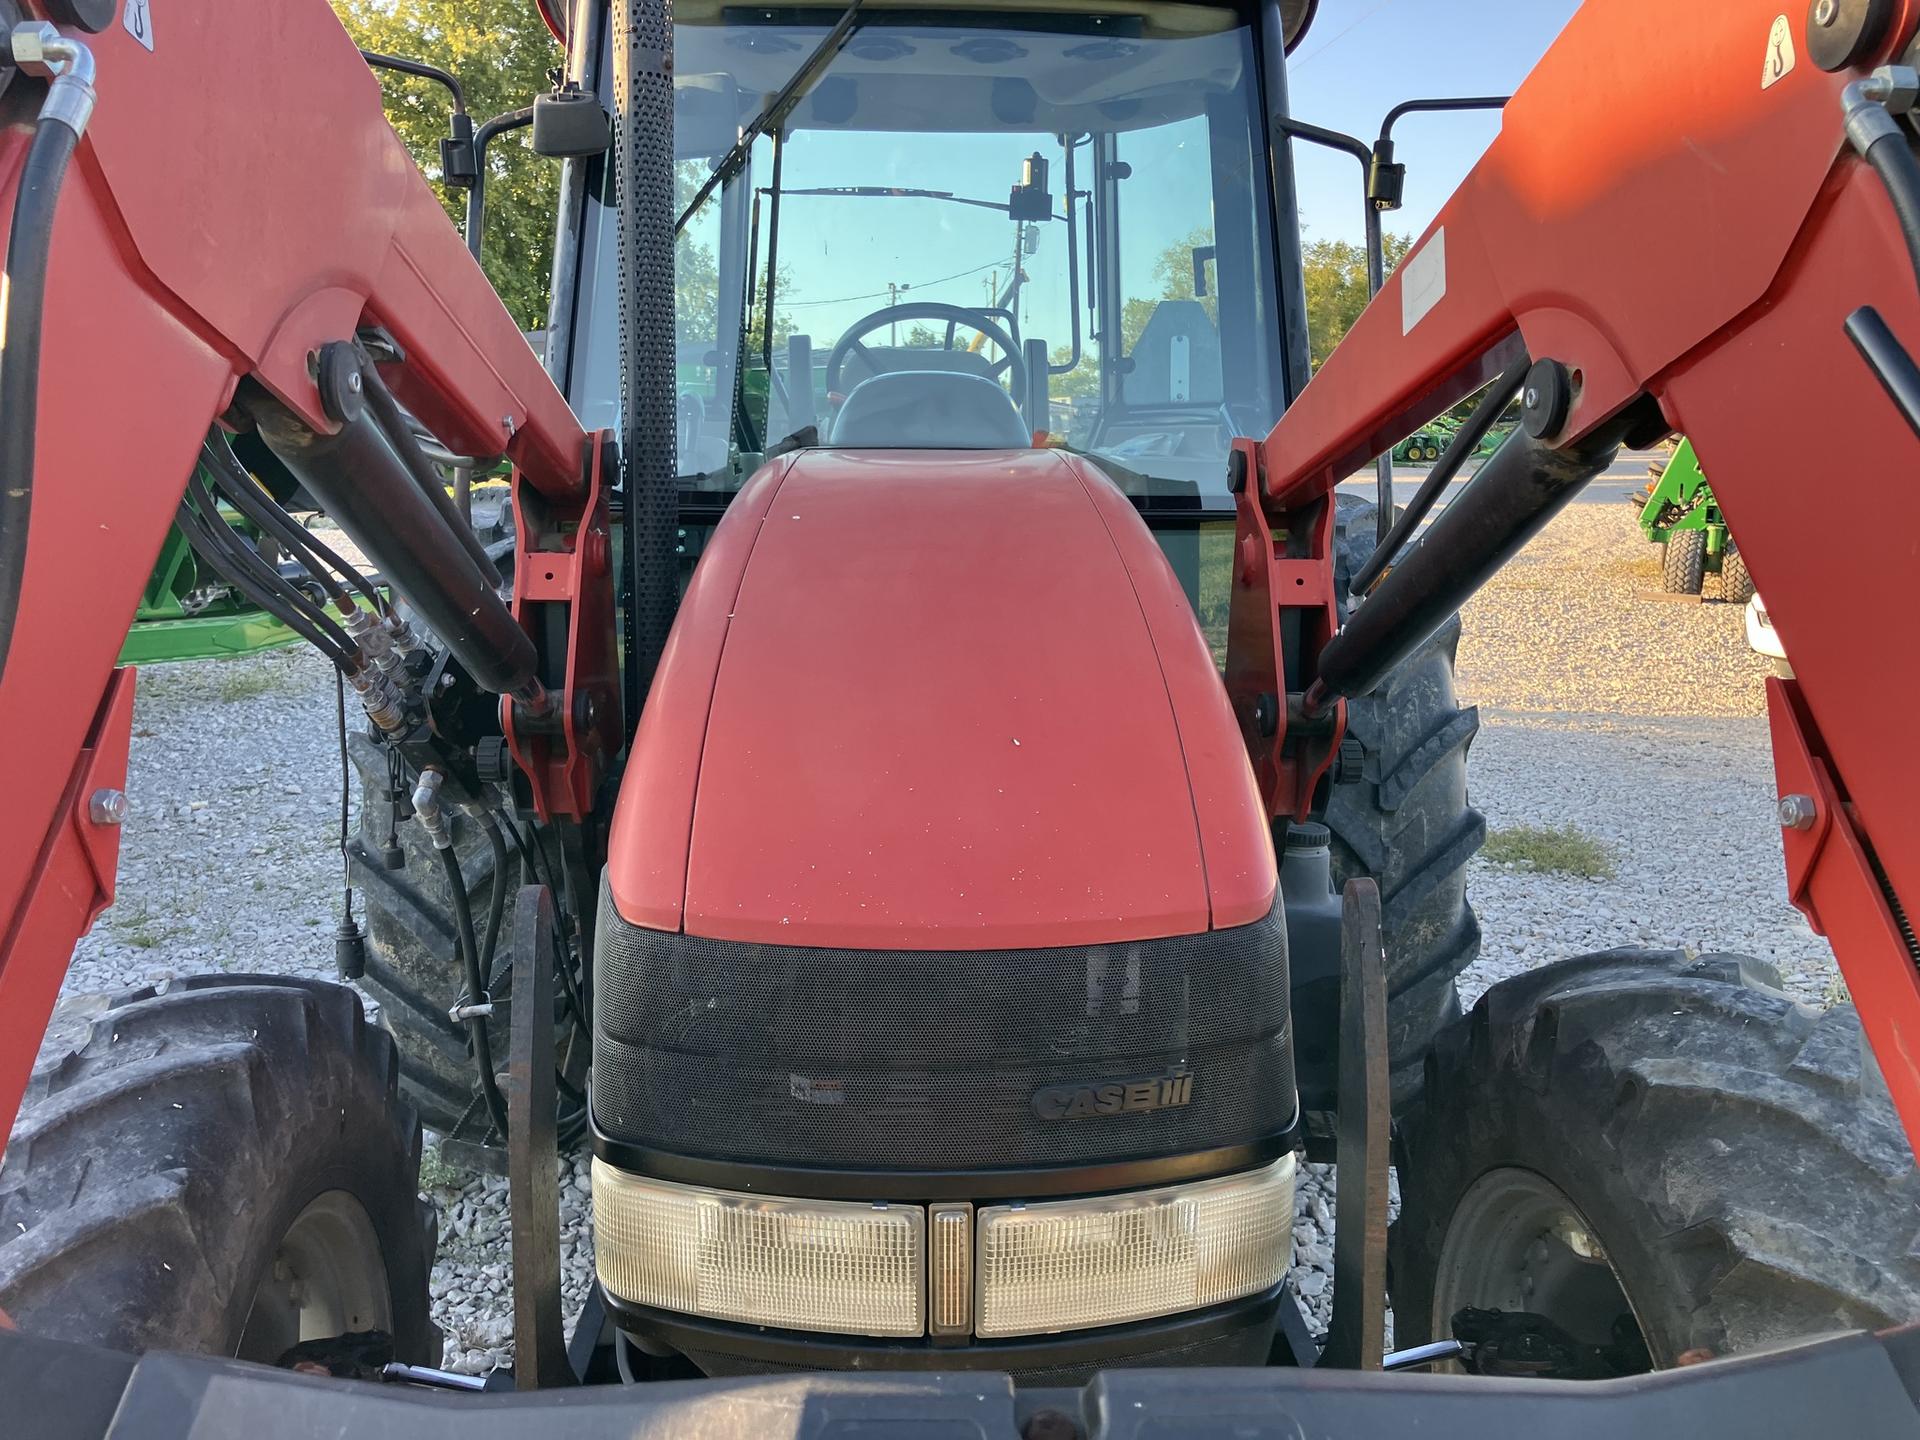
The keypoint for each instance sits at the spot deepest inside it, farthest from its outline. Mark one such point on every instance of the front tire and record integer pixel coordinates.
(1407, 824)
(225, 1166)
(1632, 1143)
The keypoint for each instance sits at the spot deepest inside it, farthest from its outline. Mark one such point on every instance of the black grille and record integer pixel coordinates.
(929, 1059)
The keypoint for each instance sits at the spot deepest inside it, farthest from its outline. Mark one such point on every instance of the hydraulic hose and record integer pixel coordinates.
(241, 561)
(1868, 106)
(38, 49)
(200, 536)
(497, 897)
(1465, 441)
(476, 987)
(238, 486)
(1893, 161)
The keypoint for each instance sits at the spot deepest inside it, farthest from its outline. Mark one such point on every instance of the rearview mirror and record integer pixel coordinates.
(1029, 199)
(568, 124)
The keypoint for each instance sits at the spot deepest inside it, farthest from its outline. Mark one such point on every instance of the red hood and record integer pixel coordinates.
(932, 701)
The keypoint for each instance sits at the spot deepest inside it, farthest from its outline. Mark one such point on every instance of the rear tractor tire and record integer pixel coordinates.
(1683, 566)
(1665, 1158)
(1406, 822)
(225, 1166)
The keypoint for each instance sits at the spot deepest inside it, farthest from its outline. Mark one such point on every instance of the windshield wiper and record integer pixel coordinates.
(898, 192)
(777, 109)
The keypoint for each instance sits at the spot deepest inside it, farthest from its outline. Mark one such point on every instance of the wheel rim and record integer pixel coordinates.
(1516, 1242)
(326, 1278)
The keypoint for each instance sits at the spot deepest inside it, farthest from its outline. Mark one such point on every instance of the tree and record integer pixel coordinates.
(1335, 272)
(500, 52)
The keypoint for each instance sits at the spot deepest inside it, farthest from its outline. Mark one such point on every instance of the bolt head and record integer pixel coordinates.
(1826, 12)
(107, 807)
(354, 382)
(1796, 812)
(1533, 398)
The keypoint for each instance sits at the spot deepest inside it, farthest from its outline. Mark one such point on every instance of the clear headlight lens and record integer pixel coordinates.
(1077, 1263)
(1005, 1270)
(798, 1264)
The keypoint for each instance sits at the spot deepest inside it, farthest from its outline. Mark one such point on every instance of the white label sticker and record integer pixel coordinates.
(1779, 53)
(1423, 281)
(139, 22)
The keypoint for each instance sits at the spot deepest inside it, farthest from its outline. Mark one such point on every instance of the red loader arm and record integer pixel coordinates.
(238, 201)
(1732, 324)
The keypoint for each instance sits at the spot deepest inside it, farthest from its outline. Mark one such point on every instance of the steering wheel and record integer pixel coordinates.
(954, 315)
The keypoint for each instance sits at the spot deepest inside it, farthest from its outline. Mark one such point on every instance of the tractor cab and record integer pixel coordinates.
(983, 228)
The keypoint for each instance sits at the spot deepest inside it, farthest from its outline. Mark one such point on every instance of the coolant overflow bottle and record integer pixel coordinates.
(1313, 960)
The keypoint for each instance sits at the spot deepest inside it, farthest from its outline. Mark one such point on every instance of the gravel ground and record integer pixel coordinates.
(1638, 721)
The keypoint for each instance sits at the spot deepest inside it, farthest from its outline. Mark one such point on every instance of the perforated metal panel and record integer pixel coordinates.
(885, 1059)
(643, 148)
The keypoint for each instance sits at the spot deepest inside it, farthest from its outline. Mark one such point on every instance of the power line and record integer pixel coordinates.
(878, 294)
(1319, 50)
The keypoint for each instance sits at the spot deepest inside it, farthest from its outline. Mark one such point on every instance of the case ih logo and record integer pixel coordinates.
(1114, 1097)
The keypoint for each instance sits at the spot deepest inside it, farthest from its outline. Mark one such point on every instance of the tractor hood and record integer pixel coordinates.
(937, 700)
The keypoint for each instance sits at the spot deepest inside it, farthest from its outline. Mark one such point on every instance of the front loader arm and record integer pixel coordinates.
(237, 202)
(1729, 328)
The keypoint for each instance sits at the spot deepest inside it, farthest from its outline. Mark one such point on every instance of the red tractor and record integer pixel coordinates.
(951, 826)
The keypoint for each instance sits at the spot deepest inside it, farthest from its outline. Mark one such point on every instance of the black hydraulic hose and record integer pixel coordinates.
(238, 486)
(195, 529)
(1465, 441)
(257, 509)
(29, 242)
(1522, 486)
(241, 559)
(1893, 161)
(470, 960)
(497, 897)
(1892, 366)
(568, 983)
(1882, 143)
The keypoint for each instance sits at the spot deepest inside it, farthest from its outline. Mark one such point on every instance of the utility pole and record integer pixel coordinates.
(893, 298)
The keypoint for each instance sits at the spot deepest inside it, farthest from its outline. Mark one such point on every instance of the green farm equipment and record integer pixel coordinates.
(1427, 443)
(189, 613)
(1681, 515)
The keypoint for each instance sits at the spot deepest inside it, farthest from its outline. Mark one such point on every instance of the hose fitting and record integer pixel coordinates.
(382, 700)
(1869, 105)
(39, 48)
(376, 642)
(426, 809)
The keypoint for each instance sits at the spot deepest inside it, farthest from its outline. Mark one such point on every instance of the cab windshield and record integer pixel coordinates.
(1068, 209)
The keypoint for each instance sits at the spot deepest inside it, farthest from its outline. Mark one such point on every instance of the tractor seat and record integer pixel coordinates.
(929, 410)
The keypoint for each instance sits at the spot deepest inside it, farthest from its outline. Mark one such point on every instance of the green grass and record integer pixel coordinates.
(437, 1174)
(249, 683)
(1555, 850)
(140, 928)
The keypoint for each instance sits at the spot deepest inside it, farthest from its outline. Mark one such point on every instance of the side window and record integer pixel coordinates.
(1169, 316)
(703, 410)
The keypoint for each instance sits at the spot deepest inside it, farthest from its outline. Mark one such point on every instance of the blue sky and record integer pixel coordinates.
(1363, 56)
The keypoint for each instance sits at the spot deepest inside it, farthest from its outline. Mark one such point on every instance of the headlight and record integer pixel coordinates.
(799, 1264)
(1076, 1263)
(857, 1269)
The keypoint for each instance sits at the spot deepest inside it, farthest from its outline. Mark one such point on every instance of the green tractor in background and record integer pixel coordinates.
(1681, 515)
(1426, 444)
